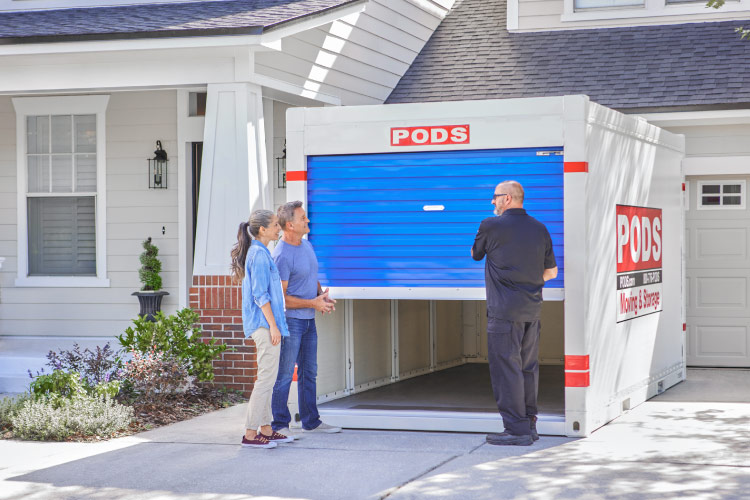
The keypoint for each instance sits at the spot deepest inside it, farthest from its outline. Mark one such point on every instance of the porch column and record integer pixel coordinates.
(233, 183)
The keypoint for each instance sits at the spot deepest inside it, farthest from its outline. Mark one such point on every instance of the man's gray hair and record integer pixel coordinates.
(285, 213)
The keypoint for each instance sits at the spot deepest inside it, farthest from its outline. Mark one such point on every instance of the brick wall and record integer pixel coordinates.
(218, 301)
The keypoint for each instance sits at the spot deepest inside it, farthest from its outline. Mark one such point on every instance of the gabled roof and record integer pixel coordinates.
(228, 17)
(472, 56)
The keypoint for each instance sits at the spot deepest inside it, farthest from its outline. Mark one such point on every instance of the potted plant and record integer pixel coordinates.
(151, 293)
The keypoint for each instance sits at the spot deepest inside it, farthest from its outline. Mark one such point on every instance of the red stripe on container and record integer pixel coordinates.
(684, 327)
(296, 175)
(577, 362)
(683, 186)
(576, 379)
(570, 167)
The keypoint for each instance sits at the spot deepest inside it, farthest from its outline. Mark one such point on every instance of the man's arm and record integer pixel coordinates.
(319, 303)
(478, 250)
(550, 274)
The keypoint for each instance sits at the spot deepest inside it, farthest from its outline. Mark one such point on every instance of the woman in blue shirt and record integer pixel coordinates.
(263, 320)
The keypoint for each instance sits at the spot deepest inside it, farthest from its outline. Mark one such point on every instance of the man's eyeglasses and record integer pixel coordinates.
(496, 195)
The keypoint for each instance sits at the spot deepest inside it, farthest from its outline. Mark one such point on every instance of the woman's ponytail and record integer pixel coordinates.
(239, 251)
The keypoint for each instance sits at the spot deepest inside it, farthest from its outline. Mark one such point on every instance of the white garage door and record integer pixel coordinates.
(718, 271)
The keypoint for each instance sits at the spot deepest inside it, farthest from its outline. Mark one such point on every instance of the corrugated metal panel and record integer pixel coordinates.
(369, 226)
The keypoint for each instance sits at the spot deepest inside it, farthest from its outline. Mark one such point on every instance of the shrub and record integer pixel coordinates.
(57, 386)
(41, 419)
(150, 267)
(154, 375)
(95, 367)
(177, 336)
(9, 407)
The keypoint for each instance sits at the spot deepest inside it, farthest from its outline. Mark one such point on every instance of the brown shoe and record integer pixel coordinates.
(259, 441)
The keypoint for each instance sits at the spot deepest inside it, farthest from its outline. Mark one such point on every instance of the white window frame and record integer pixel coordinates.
(650, 8)
(722, 182)
(62, 105)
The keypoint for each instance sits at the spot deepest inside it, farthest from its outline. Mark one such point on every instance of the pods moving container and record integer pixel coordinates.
(395, 194)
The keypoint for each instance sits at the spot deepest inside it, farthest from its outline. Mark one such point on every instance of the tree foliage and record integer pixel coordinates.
(743, 32)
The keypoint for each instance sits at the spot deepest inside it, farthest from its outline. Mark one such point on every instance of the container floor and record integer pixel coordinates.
(458, 398)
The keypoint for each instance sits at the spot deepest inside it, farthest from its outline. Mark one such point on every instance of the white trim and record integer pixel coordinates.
(313, 21)
(721, 194)
(63, 105)
(340, 292)
(304, 97)
(512, 16)
(651, 8)
(692, 118)
(432, 420)
(716, 165)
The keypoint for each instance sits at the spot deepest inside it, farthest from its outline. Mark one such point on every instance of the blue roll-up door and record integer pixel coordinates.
(375, 219)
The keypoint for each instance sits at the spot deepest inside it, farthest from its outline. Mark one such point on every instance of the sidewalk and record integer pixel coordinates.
(679, 445)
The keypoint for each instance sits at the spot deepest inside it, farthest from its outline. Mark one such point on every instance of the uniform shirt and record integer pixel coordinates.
(261, 285)
(299, 266)
(518, 249)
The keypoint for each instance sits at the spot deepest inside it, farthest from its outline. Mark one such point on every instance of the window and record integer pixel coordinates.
(721, 194)
(61, 193)
(606, 4)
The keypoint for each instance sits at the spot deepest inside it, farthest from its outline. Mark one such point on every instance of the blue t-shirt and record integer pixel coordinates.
(299, 266)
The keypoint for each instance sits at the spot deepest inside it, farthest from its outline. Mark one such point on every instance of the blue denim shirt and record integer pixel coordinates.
(261, 285)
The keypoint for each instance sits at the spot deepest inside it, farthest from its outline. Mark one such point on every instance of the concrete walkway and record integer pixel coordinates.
(691, 442)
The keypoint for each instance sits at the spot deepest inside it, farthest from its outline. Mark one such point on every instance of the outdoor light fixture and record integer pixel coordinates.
(157, 168)
(281, 169)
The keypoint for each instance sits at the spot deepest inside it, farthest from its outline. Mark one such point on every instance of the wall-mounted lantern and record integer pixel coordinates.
(281, 169)
(157, 168)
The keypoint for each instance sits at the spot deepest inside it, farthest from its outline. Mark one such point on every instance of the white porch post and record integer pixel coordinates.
(234, 176)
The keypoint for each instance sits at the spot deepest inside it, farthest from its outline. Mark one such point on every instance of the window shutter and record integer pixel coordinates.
(62, 236)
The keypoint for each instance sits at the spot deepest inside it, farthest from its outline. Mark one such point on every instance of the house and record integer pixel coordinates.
(89, 91)
(676, 63)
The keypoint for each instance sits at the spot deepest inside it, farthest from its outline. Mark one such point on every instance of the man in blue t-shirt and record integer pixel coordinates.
(303, 295)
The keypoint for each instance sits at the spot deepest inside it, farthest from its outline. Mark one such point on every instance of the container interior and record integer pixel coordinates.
(422, 365)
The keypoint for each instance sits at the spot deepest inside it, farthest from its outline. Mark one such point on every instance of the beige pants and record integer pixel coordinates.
(259, 406)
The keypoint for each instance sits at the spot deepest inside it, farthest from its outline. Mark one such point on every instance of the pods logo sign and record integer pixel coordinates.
(638, 237)
(429, 136)
(639, 241)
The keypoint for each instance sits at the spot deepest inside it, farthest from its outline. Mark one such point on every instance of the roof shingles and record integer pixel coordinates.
(472, 56)
(231, 16)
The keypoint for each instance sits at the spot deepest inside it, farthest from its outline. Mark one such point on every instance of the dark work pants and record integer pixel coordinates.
(513, 350)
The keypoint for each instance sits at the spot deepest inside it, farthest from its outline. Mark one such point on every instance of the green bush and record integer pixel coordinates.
(61, 385)
(43, 419)
(177, 336)
(9, 407)
(58, 385)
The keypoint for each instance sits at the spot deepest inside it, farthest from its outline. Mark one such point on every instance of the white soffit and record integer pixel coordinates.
(697, 118)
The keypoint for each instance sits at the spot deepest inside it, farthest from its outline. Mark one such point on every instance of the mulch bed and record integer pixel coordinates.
(173, 408)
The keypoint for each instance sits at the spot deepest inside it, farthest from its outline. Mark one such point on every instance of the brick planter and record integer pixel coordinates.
(218, 301)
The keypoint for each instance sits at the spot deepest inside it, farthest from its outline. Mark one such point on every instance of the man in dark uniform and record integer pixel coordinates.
(519, 260)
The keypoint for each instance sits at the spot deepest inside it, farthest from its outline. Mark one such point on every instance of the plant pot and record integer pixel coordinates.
(150, 303)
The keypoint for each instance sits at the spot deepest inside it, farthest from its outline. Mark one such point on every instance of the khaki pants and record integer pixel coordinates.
(259, 406)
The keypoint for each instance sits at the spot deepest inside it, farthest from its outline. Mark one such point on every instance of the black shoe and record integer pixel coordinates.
(505, 439)
(534, 434)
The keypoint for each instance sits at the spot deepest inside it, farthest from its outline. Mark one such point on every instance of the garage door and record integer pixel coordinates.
(408, 220)
(718, 271)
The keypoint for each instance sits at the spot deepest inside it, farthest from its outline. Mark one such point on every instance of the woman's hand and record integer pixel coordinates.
(275, 335)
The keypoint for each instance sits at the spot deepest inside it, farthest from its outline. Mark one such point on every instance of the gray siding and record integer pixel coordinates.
(134, 121)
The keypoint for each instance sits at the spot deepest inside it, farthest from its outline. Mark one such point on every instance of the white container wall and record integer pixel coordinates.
(607, 185)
